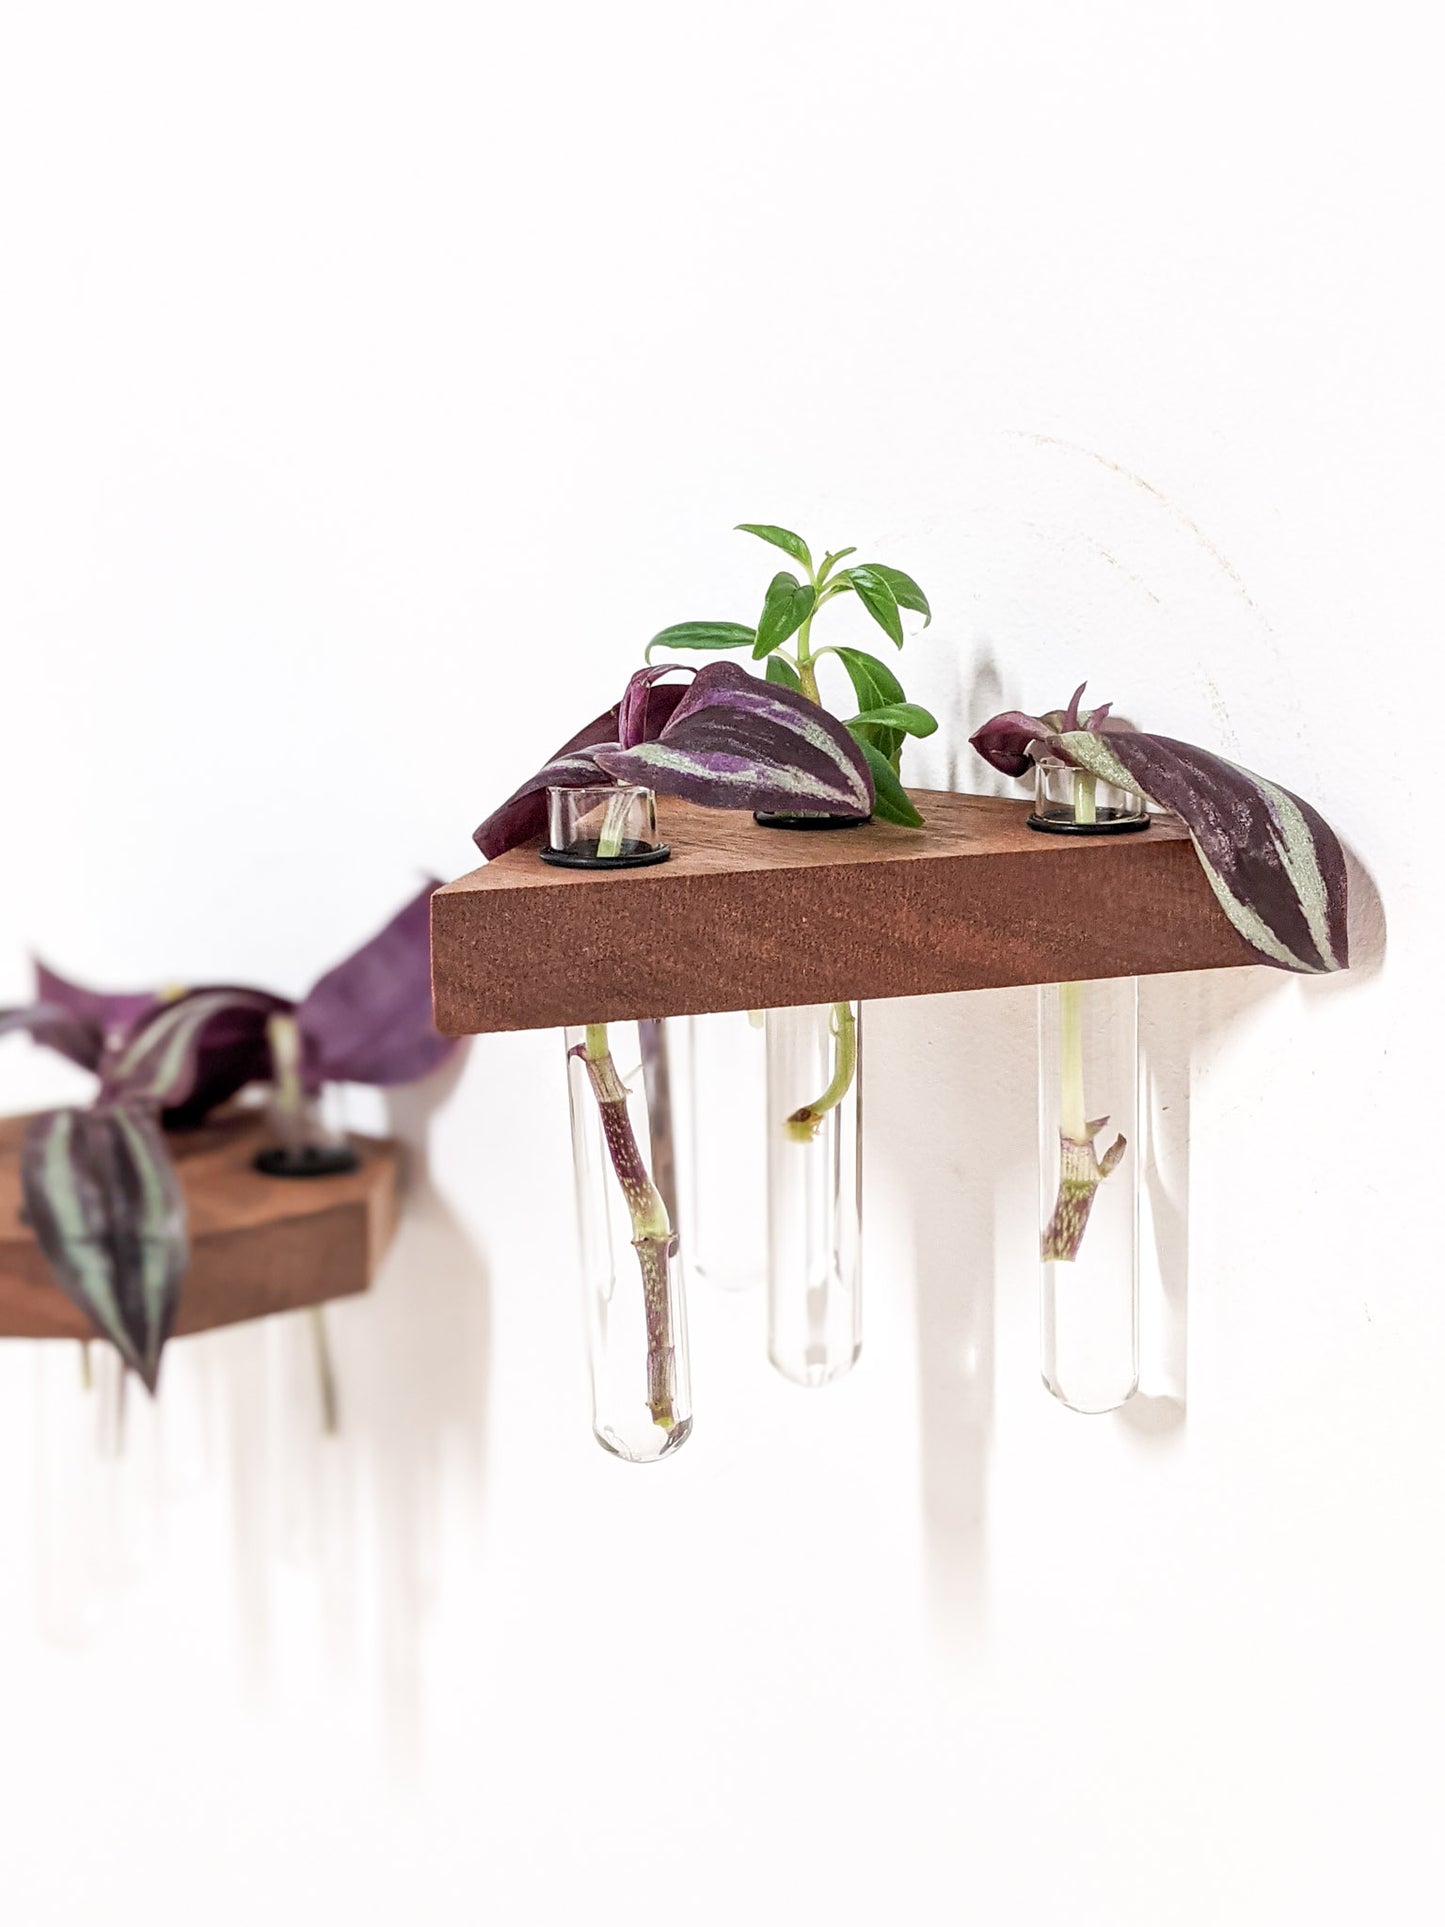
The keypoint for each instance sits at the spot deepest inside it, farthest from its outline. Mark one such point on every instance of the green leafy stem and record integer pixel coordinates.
(791, 605)
(884, 720)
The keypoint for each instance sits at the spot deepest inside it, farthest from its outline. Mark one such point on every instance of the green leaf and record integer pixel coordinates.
(793, 545)
(701, 635)
(906, 592)
(876, 687)
(833, 557)
(890, 799)
(912, 718)
(878, 599)
(874, 683)
(786, 608)
(782, 672)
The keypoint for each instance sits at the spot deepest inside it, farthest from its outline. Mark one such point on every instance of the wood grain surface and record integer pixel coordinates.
(744, 917)
(258, 1245)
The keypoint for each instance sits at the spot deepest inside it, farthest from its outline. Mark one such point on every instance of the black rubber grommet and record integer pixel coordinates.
(311, 1161)
(583, 856)
(1060, 826)
(781, 820)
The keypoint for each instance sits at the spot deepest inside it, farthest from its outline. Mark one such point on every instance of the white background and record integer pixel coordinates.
(376, 379)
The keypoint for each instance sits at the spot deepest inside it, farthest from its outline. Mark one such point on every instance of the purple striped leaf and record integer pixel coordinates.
(524, 814)
(646, 709)
(738, 742)
(369, 1021)
(193, 1052)
(95, 1029)
(1004, 740)
(1272, 861)
(107, 1209)
(110, 1014)
(641, 714)
(55, 1027)
(730, 741)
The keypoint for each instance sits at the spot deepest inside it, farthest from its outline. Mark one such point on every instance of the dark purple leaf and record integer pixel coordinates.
(110, 1014)
(232, 1052)
(524, 814)
(1272, 861)
(369, 1020)
(229, 1052)
(1004, 740)
(646, 710)
(51, 1025)
(638, 718)
(738, 742)
(109, 1214)
(193, 1052)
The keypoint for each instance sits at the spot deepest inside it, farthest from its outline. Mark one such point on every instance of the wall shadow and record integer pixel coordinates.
(361, 1512)
(977, 695)
(959, 1160)
(940, 1160)
(422, 1405)
(1178, 1017)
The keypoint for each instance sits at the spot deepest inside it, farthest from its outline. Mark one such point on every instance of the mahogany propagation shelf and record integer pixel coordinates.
(744, 917)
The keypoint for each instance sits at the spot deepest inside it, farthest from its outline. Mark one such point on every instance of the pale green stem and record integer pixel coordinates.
(283, 1034)
(1081, 1169)
(87, 1377)
(1085, 784)
(804, 1124)
(807, 675)
(609, 842)
(1073, 1118)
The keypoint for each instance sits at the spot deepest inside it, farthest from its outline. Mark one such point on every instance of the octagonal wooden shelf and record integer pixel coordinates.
(744, 917)
(258, 1244)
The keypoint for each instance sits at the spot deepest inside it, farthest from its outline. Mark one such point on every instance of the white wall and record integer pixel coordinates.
(372, 374)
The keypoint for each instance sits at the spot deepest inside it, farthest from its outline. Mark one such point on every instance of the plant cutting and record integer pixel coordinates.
(816, 1061)
(1278, 872)
(884, 717)
(1272, 861)
(100, 1186)
(726, 740)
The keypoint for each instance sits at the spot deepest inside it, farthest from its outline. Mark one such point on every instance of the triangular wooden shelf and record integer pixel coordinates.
(258, 1244)
(743, 917)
